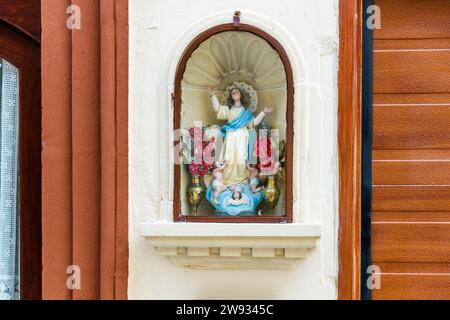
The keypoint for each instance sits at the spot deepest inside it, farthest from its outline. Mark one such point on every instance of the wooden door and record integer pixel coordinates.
(411, 150)
(19, 45)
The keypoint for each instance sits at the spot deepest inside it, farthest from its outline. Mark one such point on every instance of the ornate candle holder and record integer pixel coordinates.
(195, 194)
(272, 192)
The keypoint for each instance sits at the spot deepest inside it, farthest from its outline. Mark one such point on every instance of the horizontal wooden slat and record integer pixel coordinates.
(400, 99)
(404, 267)
(411, 198)
(411, 44)
(413, 281)
(411, 71)
(413, 287)
(402, 216)
(388, 172)
(411, 126)
(411, 154)
(402, 19)
(410, 242)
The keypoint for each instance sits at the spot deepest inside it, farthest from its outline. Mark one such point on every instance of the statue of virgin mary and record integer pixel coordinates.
(237, 151)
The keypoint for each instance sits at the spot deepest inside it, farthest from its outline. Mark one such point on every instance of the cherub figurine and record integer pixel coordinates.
(237, 199)
(217, 183)
(254, 180)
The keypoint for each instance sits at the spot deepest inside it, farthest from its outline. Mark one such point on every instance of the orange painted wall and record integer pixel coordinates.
(84, 157)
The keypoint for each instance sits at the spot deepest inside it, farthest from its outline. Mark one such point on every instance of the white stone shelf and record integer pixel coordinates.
(228, 246)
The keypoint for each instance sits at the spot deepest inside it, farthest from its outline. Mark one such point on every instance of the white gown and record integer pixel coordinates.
(235, 148)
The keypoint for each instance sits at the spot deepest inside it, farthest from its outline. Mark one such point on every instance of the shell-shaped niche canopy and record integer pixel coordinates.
(225, 59)
(235, 56)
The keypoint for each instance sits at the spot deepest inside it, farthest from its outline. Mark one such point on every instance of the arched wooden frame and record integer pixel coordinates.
(178, 217)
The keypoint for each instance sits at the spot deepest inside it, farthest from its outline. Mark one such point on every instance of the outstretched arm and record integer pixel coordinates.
(259, 118)
(262, 115)
(215, 102)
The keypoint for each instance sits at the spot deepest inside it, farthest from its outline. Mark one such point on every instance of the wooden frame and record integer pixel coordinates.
(24, 17)
(349, 136)
(22, 50)
(289, 118)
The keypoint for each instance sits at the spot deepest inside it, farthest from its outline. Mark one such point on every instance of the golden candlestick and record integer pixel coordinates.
(195, 193)
(272, 192)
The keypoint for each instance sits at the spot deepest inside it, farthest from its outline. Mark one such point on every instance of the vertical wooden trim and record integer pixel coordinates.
(349, 117)
(86, 149)
(56, 150)
(30, 204)
(121, 254)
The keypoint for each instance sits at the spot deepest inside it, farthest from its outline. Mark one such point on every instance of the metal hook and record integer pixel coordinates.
(237, 19)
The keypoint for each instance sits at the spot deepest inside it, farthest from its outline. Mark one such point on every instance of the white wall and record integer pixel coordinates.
(159, 31)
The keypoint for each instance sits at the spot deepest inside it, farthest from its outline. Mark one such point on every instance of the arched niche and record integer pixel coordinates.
(220, 57)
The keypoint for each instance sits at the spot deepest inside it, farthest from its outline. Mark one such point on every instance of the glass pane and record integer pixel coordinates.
(9, 213)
